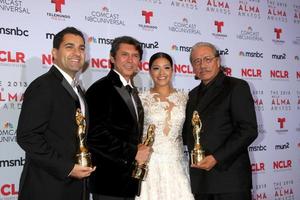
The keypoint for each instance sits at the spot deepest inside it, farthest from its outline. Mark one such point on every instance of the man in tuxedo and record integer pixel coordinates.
(47, 129)
(116, 121)
(226, 109)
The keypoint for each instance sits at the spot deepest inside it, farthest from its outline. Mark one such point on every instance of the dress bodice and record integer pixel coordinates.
(168, 116)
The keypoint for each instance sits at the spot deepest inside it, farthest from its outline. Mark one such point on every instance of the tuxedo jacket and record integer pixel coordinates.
(113, 137)
(47, 132)
(228, 127)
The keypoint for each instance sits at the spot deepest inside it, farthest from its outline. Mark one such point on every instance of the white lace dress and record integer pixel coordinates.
(168, 177)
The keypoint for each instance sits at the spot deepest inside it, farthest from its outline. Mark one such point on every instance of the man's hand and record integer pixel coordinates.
(143, 154)
(207, 163)
(81, 172)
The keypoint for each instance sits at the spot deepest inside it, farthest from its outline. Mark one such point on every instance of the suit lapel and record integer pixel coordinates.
(212, 93)
(114, 77)
(127, 98)
(65, 84)
(70, 90)
(208, 98)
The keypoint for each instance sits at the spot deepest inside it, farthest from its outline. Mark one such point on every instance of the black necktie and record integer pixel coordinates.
(138, 103)
(134, 93)
(128, 88)
(140, 110)
(80, 92)
(75, 84)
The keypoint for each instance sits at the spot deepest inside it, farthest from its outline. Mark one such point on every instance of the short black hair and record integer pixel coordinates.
(160, 55)
(58, 38)
(125, 40)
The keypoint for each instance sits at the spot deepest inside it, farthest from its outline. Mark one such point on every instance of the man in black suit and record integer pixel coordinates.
(229, 126)
(47, 130)
(116, 121)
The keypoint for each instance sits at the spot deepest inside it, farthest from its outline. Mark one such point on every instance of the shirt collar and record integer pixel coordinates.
(123, 80)
(66, 76)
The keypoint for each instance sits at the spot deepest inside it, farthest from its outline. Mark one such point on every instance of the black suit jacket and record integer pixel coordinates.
(229, 127)
(47, 133)
(113, 137)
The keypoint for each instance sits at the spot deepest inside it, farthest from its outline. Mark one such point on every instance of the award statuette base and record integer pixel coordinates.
(140, 172)
(197, 155)
(84, 159)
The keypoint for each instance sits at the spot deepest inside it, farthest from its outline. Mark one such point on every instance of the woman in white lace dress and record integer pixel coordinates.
(167, 177)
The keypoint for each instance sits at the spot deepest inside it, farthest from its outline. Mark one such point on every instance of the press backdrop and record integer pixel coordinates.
(259, 41)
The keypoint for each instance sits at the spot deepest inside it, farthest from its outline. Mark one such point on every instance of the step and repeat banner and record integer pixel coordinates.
(259, 41)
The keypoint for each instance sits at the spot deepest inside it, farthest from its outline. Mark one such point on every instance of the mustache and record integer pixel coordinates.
(205, 69)
(201, 70)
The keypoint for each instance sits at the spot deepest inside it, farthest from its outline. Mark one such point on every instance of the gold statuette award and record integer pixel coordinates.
(140, 171)
(197, 153)
(83, 156)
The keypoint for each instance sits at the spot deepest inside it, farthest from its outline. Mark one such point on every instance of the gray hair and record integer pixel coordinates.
(204, 44)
